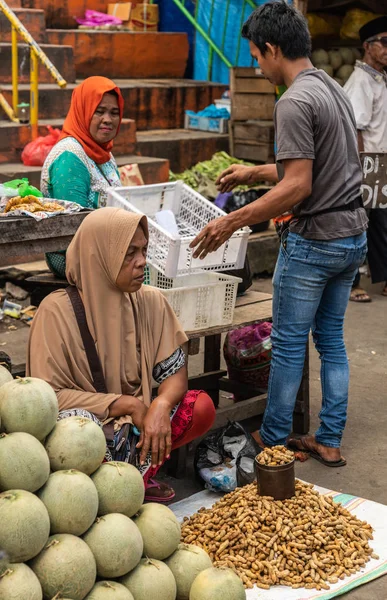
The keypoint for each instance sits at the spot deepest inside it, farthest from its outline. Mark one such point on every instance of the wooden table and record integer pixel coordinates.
(22, 236)
(252, 307)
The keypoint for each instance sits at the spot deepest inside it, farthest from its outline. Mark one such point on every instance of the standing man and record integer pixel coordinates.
(367, 90)
(320, 176)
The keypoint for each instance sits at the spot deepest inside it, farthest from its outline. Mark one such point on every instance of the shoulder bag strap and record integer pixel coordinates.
(88, 342)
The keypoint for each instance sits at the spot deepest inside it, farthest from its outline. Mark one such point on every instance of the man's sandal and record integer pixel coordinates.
(303, 445)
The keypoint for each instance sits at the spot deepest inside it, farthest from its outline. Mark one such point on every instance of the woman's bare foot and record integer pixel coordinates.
(331, 457)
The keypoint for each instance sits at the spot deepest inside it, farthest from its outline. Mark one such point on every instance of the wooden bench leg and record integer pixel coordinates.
(177, 465)
(301, 416)
(212, 344)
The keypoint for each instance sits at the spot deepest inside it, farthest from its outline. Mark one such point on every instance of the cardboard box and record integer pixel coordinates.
(121, 10)
(144, 17)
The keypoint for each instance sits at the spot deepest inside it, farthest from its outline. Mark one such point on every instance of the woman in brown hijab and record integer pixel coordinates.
(137, 337)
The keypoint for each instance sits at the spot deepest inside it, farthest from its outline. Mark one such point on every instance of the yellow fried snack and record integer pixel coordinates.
(52, 207)
(13, 202)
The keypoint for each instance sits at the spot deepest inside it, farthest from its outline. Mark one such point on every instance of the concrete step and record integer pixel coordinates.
(32, 19)
(63, 14)
(60, 56)
(153, 170)
(182, 147)
(14, 137)
(152, 103)
(118, 54)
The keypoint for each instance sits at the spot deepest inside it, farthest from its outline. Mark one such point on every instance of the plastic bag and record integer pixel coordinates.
(36, 152)
(230, 201)
(19, 187)
(225, 458)
(247, 352)
(93, 18)
(353, 21)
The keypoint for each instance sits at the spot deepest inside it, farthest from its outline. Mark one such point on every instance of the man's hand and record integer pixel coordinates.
(156, 432)
(213, 236)
(234, 176)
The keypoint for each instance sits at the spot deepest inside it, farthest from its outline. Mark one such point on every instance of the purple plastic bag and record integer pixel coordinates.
(93, 18)
(221, 199)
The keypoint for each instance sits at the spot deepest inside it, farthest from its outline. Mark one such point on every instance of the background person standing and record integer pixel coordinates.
(367, 90)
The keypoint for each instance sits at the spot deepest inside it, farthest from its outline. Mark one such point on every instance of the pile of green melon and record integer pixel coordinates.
(73, 527)
(338, 63)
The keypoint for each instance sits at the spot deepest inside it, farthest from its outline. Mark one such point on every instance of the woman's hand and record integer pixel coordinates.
(138, 414)
(156, 432)
(129, 405)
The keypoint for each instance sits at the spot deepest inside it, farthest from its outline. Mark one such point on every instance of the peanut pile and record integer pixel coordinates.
(307, 541)
(275, 456)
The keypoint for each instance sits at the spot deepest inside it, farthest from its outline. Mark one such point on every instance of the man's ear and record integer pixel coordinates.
(272, 49)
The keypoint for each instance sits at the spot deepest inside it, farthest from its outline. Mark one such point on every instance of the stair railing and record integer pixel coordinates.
(36, 55)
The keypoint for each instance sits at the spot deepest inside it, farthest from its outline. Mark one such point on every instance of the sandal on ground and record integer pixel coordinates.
(304, 444)
(156, 491)
(359, 295)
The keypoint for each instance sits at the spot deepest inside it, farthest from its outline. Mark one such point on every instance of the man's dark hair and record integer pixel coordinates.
(281, 25)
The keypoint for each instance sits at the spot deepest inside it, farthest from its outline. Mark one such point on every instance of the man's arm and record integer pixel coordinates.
(242, 175)
(295, 187)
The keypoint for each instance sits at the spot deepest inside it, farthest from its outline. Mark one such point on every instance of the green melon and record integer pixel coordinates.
(24, 463)
(65, 566)
(109, 590)
(327, 68)
(30, 405)
(20, 583)
(76, 443)
(116, 544)
(348, 56)
(335, 59)
(4, 562)
(217, 584)
(320, 57)
(120, 488)
(5, 375)
(71, 500)
(25, 525)
(160, 530)
(186, 564)
(151, 580)
(344, 72)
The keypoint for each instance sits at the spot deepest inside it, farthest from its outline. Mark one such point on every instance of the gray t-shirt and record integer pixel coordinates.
(314, 120)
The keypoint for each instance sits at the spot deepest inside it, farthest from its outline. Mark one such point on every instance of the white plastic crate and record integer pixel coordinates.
(202, 299)
(169, 253)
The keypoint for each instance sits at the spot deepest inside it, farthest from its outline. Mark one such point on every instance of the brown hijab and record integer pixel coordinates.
(132, 332)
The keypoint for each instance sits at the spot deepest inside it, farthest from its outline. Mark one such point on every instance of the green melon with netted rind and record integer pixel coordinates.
(24, 525)
(116, 544)
(66, 566)
(24, 463)
(217, 584)
(151, 579)
(109, 590)
(5, 375)
(19, 582)
(76, 443)
(30, 405)
(160, 530)
(71, 500)
(186, 564)
(120, 488)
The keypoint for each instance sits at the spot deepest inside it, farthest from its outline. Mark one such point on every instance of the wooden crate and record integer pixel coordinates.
(253, 97)
(253, 140)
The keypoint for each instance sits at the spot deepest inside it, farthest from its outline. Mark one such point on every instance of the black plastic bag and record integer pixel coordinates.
(240, 199)
(224, 460)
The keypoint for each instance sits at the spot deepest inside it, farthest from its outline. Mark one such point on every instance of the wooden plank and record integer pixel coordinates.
(257, 131)
(251, 297)
(240, 411)
(374, 186)
(243, 315)
(252, 106)
(25, 236)
(245, 72)
(251, 83)
(254, 152)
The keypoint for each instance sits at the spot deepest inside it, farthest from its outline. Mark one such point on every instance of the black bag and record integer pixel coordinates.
(222, 467)
(122, 443)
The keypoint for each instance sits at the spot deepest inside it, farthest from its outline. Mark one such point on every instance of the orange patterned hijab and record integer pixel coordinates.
(84, 102)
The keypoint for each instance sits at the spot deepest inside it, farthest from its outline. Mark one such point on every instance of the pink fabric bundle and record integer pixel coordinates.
(93, 18)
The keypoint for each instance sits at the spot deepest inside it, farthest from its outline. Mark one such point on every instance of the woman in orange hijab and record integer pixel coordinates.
(80, 167)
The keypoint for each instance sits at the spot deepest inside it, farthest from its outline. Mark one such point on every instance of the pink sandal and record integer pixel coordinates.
(156, 491)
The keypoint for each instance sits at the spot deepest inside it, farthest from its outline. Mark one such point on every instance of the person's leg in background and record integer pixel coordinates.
(357, 293)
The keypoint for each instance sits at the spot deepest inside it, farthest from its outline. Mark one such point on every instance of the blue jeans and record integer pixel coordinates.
(312, 283)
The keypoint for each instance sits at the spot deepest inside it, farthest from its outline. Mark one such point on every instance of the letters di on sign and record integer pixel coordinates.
(374, 186)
